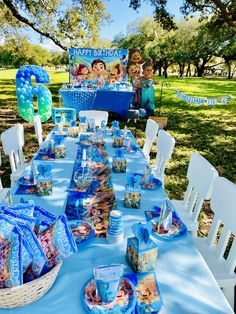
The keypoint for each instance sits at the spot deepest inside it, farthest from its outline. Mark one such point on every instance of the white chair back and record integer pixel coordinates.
(3, 191)
(151, 132)
(165, 147)
(38, 129)
(97, 115)
(223, 204)
(12, 143)
(201, 175)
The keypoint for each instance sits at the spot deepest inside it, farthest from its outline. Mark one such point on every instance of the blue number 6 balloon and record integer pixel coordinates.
(25, 93)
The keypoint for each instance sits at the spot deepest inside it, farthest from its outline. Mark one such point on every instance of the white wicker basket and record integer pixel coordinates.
(28, 292)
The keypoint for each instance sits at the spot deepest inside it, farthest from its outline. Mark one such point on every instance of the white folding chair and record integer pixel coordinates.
(165, 147)
(150, 133)
(201, 175)
(97, 115)
(3, 191)
(223, 204)
(38, 129)
(12, 143)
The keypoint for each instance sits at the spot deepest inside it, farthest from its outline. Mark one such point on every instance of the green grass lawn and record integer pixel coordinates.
(211, 131)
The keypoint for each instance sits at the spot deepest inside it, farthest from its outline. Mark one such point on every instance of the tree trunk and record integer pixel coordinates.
(229, 68)
(188, 72)
(181, 69)
(165, 67)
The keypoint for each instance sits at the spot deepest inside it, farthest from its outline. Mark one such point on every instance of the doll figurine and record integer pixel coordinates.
(147, 92)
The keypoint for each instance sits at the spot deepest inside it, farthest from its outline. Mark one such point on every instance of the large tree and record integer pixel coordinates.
(220, 11)
(66, 23)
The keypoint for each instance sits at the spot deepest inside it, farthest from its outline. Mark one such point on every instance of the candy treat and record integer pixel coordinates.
(57, 242)
(25, 208)
(11, 266)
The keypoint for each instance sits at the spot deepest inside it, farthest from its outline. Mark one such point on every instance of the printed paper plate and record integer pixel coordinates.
(177, 231)
(154, 185)
(25, 181)
(124, 303)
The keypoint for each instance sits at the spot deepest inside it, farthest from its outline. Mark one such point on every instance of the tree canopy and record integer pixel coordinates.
(66, 23)
(220, 11)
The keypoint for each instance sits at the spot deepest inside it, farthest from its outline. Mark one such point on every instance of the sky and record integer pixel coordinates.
(121, 16)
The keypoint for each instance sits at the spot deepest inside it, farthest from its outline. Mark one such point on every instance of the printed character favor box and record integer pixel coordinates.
(141, 252)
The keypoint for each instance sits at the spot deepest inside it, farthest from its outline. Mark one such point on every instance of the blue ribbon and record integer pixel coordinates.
(119, 152)
(115, 124)
(134, 181)
(44, 170)
(143, 232)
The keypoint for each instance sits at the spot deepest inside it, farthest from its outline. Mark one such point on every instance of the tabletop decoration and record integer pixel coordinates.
(115, 231)
(124, 302)
(148, 180)
(90, 125)
(104, 127)
(83, 231)
(148, 294)
(166, 224)
(141, 253)
(107, 278)
(118, 161)
(132, 196)
(117, 139)
(95, 203)
(44, 180)
(115, 125)
(60, 148)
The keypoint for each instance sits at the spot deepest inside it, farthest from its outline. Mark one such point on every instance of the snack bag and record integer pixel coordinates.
(57, 242)
(25, 208)
(44, 219)
(11, 267)
(38, 256)
(17, 216)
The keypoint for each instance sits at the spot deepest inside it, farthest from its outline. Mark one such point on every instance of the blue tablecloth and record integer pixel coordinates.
(186, 284)
(113, 100)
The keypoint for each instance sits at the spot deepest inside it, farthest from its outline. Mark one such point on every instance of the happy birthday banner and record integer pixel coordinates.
(203, 101)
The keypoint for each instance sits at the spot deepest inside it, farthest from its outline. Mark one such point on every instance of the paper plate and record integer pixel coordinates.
(178, 230)
(83, 231)
(156, 185)
(124, 303)
(25, 181)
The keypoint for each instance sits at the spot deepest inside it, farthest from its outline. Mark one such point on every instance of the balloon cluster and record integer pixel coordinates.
(25, 93)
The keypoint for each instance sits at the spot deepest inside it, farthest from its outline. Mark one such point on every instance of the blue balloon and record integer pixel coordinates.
(25, 93)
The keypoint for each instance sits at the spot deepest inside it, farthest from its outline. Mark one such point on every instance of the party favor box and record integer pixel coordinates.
(141, 252)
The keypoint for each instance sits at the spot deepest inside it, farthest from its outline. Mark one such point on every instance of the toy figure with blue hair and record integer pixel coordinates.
(147, 83)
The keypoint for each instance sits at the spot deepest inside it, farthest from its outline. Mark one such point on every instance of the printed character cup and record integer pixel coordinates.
(108, 281)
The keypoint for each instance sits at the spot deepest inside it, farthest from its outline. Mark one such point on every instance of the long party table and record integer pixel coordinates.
(114, 100)
(186, 283)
